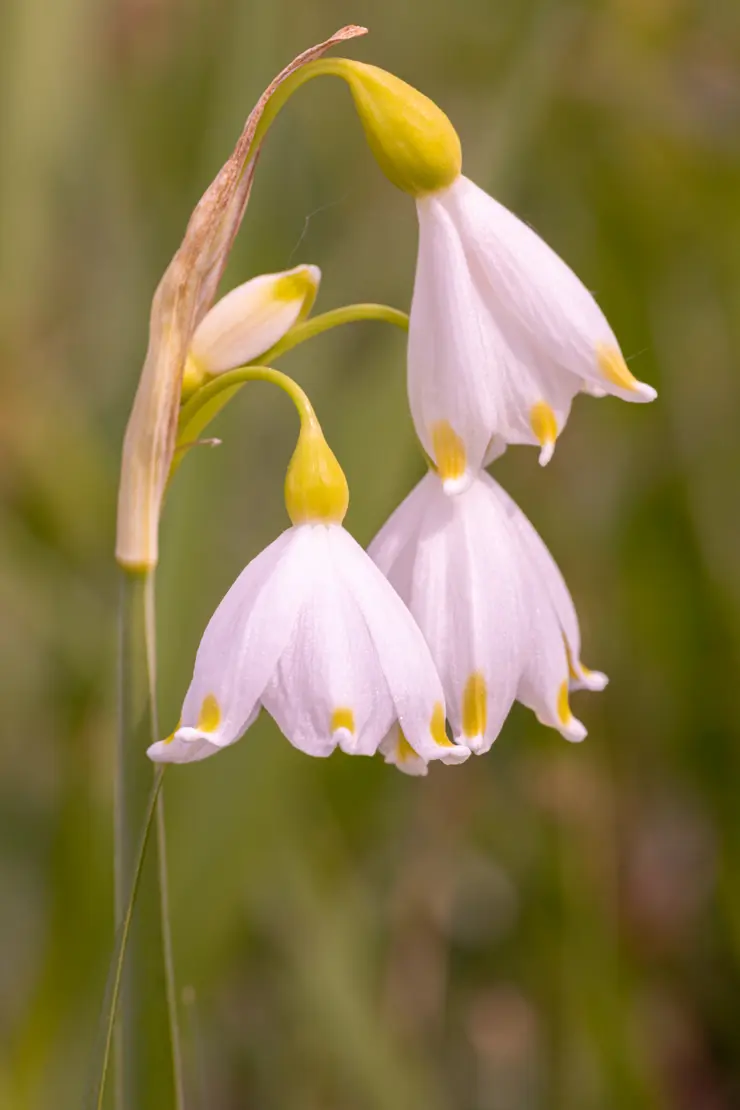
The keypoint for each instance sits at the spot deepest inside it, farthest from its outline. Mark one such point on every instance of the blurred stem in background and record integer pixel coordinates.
(147, 1073)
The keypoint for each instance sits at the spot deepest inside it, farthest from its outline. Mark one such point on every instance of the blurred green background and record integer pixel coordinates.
(547, 927)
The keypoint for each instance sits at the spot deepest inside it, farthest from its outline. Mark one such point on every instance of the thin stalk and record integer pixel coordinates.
(147, 1040)
(348, 314)
(320, 67)
(167, 955)
(119, 955)
(232, 380)
(201, 407)
(150, 630)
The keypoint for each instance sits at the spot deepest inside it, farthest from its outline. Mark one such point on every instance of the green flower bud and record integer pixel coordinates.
(413, 141)
(315, 486)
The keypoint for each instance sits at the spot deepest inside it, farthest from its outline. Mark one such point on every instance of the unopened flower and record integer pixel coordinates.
(492, 605)
(313, 632)
(502, 334)
(248, 321)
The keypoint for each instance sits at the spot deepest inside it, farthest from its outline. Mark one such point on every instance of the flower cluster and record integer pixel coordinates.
(457, 609)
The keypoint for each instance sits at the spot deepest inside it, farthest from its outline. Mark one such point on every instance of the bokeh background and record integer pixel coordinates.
(547, 927)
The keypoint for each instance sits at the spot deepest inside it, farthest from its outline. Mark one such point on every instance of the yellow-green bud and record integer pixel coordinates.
(316, 489)
(412, 139)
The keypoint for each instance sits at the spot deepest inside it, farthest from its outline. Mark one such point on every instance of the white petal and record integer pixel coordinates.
(460, 578)
(175, 750)
(398, 752)
(448, 350)
(544, 684)
(546, 569)
(471, 366)
(496, 448)
(492, 605)
(189, 745)
(538, 295)
(394, 546)
(404, 657)
(239, 652)
(329, 688)
(253, 317)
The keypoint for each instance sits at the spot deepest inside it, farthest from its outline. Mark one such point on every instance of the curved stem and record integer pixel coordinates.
(321, 67)
(325, 321)
(205, 404)
(237, 378)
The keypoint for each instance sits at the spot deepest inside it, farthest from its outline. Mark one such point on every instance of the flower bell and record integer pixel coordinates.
(248, 321)
(502, 334)
(492, 606)
(312, 631)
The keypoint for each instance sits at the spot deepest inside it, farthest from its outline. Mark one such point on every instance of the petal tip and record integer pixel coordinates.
(574, 731)
(414, 768)
(160, 752)
(346, 740)
(593, 680)
(646, 392)
(456, 753)
(614, 368)
(547, 452)
(544, 424)
(477, 744)
(454, 486)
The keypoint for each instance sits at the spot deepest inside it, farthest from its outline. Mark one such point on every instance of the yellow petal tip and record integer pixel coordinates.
(450, 457)
(342, 720)
(615, 370)
(544, 425)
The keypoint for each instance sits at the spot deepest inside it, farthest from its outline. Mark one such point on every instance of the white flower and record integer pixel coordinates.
(249, 320)
(491, 603)
(502, 335)
(312, 631)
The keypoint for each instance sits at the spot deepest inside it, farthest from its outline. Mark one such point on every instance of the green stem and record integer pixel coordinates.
(117, 962)
(147, 1041)
(229, 383)
(335, 67)
(201, 408)
(150, 631)
(167, 955)
(349, 314)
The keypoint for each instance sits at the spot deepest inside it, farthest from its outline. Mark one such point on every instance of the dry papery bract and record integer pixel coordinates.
(183, 297)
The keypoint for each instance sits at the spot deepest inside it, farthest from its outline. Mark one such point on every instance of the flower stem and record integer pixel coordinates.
(201, 408)
(348, 314)
(229, 383)
(147, 1041)
(117, 960)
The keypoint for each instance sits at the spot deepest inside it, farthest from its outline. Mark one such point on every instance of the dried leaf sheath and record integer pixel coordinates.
(183, 296)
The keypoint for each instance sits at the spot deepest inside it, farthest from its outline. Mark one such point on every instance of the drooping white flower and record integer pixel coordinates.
(502, 335)
(249, 320)
(313, 632)
(491, 603)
